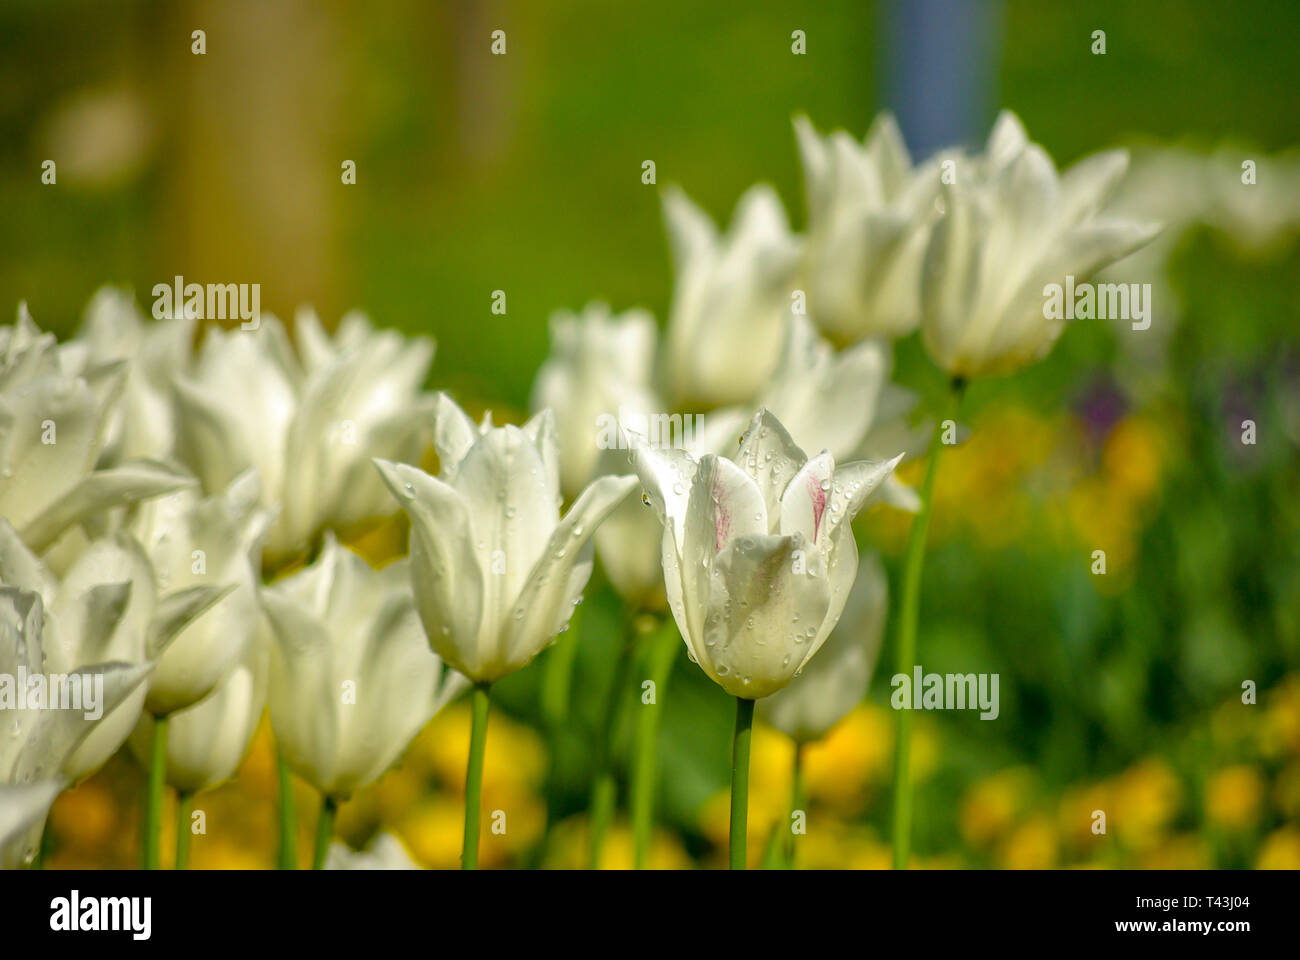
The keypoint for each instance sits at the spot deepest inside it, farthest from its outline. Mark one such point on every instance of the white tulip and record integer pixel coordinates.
(352, 677)
(836, 680)
(758, 552)
(105, 608)
(1011, 226)
(868, 218)
(207, 742)
(600, 364)
(309, 425)
(495, 569)
(730, 297)
(36, 744)
(202, 543)
(54, 428)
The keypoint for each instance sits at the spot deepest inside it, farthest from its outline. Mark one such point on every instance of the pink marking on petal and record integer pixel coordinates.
(721, 519)
(818, 497)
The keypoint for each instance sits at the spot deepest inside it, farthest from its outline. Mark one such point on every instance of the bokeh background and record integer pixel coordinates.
(522, 173)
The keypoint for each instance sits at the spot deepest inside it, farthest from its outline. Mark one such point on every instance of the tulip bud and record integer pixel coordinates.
(352, 679)
(730, 297)
(496, 570)
(1010, 227)
(758, 552)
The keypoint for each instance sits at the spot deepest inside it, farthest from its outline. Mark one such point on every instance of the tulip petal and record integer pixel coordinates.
(177, 610)
(1088, 184)
(835, 681)
(453, 435)
(541, 430)
(1006, 140)
(666, 475)
(543, 607)
(771, 457)
(444, 567)
(101, 490)
(300, 661)
(314, 346)
(512, 512)
(49, 441)
(23, 809)
(725, 504)
(19, 567)
(852, 484)
(690, 230)
(804, 502)
(768, 598)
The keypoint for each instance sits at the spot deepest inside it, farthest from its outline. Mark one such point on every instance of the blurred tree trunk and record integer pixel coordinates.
(252, 190)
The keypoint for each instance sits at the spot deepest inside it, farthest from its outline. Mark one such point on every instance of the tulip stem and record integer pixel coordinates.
(184, 804)
(796, 803)
(740, 780)
(663, 650)
(474, 776)
(557, 681)
(604, 789)
(288, 853)
(906, 651)
(154, 800)
(324, 831)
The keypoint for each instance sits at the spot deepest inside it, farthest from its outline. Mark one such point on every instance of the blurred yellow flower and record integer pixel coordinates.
(1147, 796)
(1032, 845)
(1104, 519)
(84, 817)
(258, 771)
(1281, 851)
(433, 832)
(839, 769)
(1132, 457)
(1234, 796)
(1076, 817)
(991, 806)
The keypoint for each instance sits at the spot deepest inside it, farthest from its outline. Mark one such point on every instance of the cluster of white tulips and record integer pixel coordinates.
(176, 504)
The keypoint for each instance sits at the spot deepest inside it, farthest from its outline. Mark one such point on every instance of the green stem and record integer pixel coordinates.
(288, 853)
(796, 803)
(604, 789)
(663, 652)
(557, 675)
(740, 780)
(154, 800)
(324, 831)
(906, 651)
(557, 682)
(474, 776)
(184, 804)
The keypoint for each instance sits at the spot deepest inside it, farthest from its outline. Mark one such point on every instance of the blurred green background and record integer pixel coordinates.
(522, 173)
